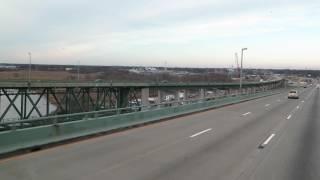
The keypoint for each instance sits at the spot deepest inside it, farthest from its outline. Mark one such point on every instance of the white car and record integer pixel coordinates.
(293, 94)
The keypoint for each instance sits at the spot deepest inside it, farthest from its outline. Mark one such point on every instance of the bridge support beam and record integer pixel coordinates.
(177, 97)
(159, 99)
(145, 96)
(122, 99)
(202, 93)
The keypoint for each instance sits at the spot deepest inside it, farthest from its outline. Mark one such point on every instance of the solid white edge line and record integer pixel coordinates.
(266, 142)
(289, 116)
(246, 113)
(199, 133)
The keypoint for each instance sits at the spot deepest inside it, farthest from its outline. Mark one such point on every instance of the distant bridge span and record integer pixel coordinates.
(74, 97)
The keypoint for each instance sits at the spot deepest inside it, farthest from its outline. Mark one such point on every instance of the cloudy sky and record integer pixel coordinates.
(184, 33)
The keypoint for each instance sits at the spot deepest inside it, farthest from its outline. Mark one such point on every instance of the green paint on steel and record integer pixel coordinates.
(30, 137)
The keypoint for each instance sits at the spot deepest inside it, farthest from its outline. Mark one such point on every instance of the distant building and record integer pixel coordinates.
(68, 69)
(135, 71)
(146, 70)
(150, 69)
(8, 67)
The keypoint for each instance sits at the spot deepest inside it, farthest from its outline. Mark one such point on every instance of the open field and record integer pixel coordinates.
(115, 75)
(45, 75)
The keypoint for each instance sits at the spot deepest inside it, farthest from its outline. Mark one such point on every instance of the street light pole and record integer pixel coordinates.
(243, 49)
(29, 72)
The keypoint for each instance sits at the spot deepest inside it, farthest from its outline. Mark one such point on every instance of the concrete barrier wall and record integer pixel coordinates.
(31, 137)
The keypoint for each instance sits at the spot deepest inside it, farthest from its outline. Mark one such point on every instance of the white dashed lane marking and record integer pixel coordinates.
(245, 114)
(266, 142)
(201, 132)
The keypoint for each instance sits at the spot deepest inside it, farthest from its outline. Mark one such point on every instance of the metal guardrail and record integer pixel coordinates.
(20, 124)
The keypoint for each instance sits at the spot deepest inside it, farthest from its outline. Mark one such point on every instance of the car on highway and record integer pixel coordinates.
(293, 94)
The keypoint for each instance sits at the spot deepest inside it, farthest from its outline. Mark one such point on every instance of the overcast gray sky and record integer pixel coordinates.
(185, 33)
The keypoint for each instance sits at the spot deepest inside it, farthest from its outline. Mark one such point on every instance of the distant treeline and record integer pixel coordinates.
(94, 69)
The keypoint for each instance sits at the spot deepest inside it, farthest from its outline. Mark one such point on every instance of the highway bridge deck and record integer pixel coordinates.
(221, 144)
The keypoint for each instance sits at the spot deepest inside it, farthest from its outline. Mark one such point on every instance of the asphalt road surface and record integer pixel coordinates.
(272, 138)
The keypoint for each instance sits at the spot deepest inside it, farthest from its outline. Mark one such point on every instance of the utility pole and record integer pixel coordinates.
(237, 63)
(29, 72)
(78, 71)
(243, 49)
